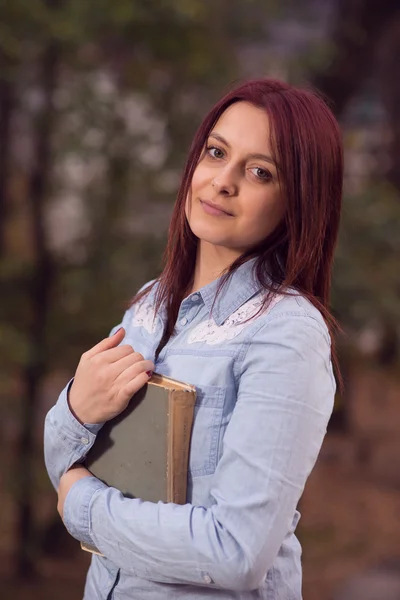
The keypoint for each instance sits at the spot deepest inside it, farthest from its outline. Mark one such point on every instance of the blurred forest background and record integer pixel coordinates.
(99, 102)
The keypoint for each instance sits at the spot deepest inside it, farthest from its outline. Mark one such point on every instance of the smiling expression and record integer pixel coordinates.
(235, 198)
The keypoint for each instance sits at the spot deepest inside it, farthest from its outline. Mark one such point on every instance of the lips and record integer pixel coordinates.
(214, 209)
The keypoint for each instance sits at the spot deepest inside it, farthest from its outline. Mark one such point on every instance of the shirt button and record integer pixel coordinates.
(195, 297)
(207, 579)
(84, 441)
(184, 321)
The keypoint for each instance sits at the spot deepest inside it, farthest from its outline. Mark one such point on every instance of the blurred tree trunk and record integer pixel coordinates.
(6, 112)
(109, 205)
(357, 31)
(390, 84)
(366, 34)
(39, 297)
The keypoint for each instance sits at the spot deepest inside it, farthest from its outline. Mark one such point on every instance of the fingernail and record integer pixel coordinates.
(149, 373)
(118, 330)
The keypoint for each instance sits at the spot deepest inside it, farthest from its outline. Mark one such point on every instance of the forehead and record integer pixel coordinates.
(246, 126)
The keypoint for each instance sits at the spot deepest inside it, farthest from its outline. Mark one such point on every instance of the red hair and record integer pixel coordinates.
(307, 146)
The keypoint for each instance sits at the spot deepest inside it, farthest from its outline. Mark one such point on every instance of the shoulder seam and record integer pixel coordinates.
(292, 313)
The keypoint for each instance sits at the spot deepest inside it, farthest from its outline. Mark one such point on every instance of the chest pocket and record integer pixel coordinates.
(207, 430)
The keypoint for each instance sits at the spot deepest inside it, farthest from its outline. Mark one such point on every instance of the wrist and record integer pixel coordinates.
(71, 405)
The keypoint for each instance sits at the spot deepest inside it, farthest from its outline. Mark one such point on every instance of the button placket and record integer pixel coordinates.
(189, 309)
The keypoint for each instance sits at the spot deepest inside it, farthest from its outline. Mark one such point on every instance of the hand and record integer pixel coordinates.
(67, 481)
(107, 377)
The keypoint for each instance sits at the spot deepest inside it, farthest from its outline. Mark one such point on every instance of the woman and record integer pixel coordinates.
(240, 311)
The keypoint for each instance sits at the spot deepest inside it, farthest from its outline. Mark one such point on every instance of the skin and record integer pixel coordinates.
(235, 172)
(75, 473)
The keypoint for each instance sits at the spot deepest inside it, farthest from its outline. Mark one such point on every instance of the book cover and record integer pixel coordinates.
(144, 451)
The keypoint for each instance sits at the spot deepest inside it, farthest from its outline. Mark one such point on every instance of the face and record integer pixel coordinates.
(235, 199)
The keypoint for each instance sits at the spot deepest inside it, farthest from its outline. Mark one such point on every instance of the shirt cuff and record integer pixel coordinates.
(77, 506)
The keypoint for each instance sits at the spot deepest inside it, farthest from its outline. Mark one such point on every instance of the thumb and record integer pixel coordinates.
(109, 342)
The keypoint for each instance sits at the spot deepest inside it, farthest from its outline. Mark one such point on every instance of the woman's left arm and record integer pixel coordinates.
(284, 402)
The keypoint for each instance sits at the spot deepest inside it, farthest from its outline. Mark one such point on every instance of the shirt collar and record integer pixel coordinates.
(239, 288)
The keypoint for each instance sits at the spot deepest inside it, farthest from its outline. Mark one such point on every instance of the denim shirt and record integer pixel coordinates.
(265, 391)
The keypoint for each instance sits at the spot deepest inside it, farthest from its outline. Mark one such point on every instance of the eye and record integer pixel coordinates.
(215, 152)
(262, 174)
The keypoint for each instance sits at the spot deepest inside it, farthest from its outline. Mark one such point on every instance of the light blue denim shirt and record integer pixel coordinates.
(265, 391)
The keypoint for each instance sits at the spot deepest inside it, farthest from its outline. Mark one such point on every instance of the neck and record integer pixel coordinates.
(211, 262)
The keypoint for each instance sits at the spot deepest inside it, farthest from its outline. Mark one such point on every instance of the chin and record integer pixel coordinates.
(206, 233)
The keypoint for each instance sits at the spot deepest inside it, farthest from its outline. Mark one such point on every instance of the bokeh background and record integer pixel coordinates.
(99, 102)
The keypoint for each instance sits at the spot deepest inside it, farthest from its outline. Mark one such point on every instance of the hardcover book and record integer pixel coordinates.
(144, 451)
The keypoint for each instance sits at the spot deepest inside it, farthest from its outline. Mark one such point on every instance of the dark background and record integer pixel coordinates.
(98, 103)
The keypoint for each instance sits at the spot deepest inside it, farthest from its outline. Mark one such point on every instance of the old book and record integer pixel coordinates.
(144, 451)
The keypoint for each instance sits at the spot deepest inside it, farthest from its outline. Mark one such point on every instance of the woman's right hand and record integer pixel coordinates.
(107, 377)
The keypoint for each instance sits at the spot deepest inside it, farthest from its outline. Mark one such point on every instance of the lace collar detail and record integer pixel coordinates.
(145, 316)
(210, 333)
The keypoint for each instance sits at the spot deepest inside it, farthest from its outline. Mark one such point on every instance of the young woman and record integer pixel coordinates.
(240, 311)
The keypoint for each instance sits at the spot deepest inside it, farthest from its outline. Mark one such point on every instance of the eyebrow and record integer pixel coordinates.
(259, 156)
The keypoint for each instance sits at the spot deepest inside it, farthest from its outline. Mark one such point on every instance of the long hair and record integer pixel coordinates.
(306, 143)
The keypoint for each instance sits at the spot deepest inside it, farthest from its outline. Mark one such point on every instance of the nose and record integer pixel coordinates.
(225, 185)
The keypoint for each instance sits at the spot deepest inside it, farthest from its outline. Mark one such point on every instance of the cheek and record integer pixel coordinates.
(201, 177)
(199, 181)
(266, 214)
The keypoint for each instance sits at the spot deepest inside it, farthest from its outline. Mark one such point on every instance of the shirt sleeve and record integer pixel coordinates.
(284, 402)
(66, 440)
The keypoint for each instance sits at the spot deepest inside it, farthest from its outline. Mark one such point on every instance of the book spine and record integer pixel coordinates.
(179, 435)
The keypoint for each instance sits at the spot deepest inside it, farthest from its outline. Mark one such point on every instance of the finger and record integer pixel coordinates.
(125, 362)
(116, 354)
(134, 371)
(135, 385)
(107, 343)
